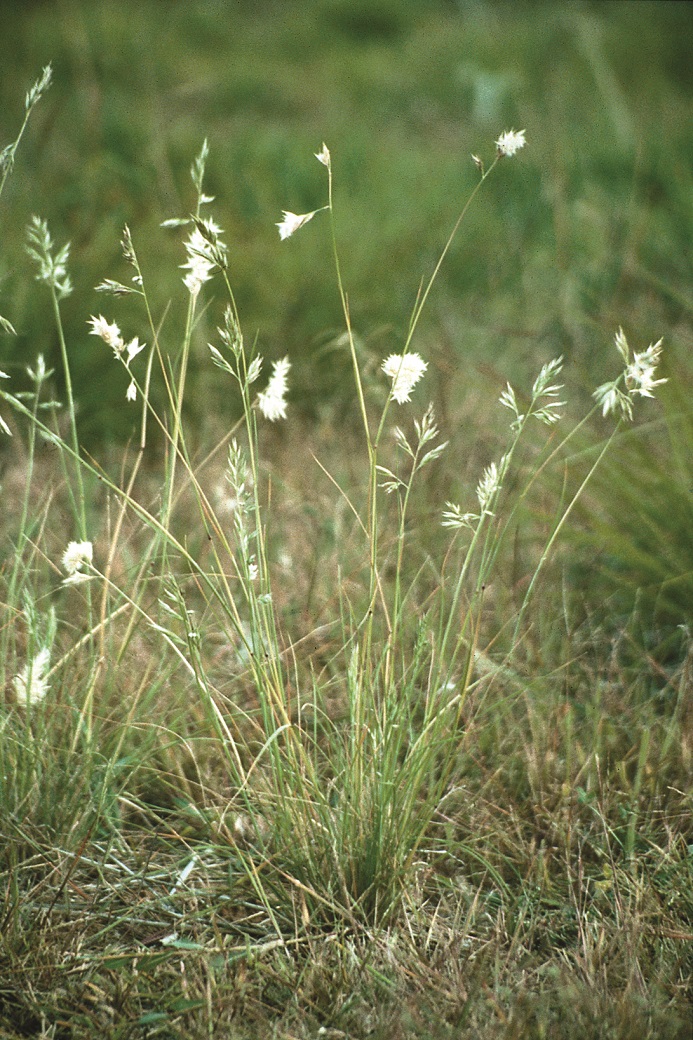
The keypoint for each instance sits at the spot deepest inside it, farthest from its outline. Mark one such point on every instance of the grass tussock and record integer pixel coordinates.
(299, 738)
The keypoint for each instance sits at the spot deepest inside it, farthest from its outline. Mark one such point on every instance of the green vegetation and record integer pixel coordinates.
(328, 713)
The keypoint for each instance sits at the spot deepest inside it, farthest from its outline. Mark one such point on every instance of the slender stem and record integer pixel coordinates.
(345, 308)
(421, 302)
(372, 525)
(22, 537)
(82, 518)
(81, 503)
(178, 410)
(372, 443)
(400, 557)
(39, 89)
(557, 530)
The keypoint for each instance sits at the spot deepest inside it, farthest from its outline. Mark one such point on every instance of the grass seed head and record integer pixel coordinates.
(291, 222)
(272, 400)
(30, 686)
(510, 142)
(76, 556)
(405, 370)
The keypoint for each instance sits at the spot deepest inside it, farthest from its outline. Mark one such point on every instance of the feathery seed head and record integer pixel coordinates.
(271, 401)
(292, 222)
(205, 252)
(510, 142)
(76, 556)
(110, 334)
(323, 156)
(3, 425)
(30, 686)
(405, 370)
(638, 376)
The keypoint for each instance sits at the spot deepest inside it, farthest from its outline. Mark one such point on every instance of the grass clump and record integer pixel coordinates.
(242, 799)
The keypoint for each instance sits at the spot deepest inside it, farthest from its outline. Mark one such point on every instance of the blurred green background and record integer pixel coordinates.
(589, 228)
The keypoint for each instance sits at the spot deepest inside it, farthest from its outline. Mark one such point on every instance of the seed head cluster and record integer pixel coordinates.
(291, 222)
(77, 556)
(638, 376)
(405, 370)
(125, 352)
(272, 400)
(30, 686)
(510, 142)
(200, 263)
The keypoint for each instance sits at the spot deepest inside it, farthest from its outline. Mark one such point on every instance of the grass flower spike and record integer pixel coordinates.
(611, 399)
(125, 352)
(405, 370)
(30, 686)
(133, 348)
(198, 266)
(52, 266)
(205, 252)
(292, 222)
(3, 425)
(455, 518)
(640, 372)
(271, 401)
(488, 487)
(323, 156)
(76, 556)
(638, 376)
(510, 142)
(110, 334)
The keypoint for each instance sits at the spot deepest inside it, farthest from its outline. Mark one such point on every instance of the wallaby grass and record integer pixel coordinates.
(293, 776)
(554, 898)
(549, 895)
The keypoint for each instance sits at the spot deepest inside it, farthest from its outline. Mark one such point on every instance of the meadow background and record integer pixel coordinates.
(550, 894)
